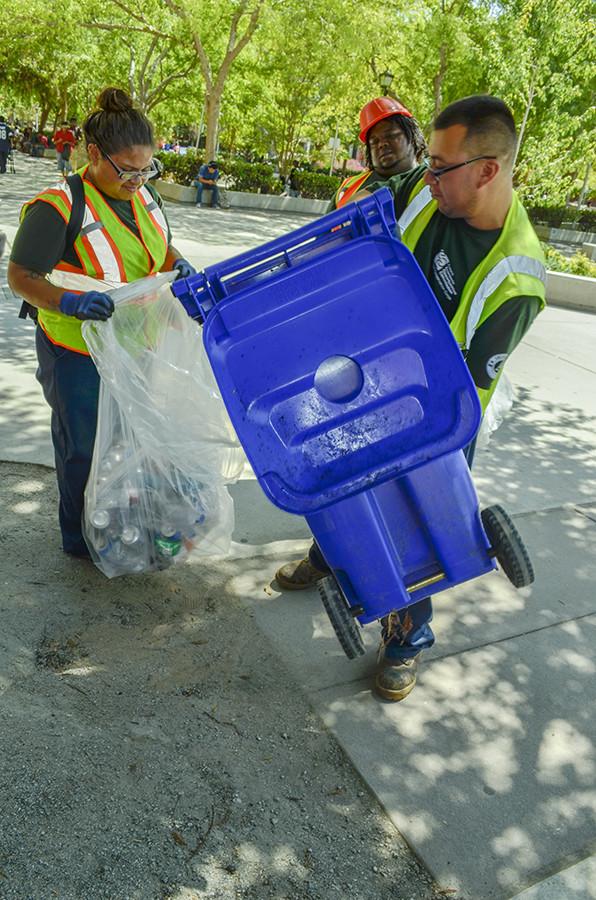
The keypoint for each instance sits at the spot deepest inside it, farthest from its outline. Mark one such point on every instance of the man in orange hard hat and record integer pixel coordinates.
(394, 144)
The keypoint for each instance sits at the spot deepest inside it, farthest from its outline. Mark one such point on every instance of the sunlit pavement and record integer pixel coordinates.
(489, 767)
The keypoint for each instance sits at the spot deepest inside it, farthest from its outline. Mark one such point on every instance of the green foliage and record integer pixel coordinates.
(555, 216)
(578, 264)
(237, 175)
(304, 74)
(256, 178)
(317, 185)
(180, 168)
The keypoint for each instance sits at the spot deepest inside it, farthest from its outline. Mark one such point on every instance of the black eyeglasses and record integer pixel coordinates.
(437, 173)
(130, 175)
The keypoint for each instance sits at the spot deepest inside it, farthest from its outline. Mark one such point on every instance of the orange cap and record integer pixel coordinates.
(380, 108)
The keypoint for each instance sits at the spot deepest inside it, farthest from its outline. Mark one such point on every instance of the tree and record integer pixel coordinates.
(144, 42)
(237, 20)
(542, 65)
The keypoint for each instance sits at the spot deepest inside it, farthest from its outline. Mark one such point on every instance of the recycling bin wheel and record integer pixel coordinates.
(344, 624)
(507, 546)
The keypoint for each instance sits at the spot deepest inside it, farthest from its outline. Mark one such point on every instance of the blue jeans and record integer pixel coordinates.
(412, 632)
(63, 162)
(210, 187)
(70, 385)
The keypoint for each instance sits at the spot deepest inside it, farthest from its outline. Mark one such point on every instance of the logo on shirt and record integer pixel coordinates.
(495, 364)
(444, 274)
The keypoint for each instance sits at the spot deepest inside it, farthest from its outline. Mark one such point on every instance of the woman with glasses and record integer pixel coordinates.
(103, 227)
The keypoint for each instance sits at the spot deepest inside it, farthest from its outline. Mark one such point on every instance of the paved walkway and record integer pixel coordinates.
(489, 768)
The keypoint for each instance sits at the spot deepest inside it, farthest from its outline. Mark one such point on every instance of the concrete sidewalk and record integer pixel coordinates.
(489, 768)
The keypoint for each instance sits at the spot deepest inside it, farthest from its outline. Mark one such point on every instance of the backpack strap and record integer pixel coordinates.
(77, 214)
(77, 211)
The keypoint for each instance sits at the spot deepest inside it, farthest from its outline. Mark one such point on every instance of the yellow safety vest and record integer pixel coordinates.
(514, 267)
(106, 248)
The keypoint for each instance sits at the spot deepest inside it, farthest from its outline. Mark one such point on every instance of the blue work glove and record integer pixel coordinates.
(91, 305)
(184, 268)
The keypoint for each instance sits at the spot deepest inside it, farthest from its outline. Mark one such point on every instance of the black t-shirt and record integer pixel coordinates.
(448, 251)
(40, 241)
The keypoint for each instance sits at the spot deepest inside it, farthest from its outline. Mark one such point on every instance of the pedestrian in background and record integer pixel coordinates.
(125, 236)
(64, 141)
(6, 133)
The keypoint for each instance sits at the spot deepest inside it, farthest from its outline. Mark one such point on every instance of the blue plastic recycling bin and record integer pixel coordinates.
(352, 401)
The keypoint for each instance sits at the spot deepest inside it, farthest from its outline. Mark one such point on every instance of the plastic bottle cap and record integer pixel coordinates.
(130, 534)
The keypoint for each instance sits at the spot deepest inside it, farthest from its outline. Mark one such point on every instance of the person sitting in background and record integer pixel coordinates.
(25, 144)
(293, 182)
(207, 178)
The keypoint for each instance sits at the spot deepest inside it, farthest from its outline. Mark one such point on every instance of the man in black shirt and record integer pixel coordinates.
(472, 238)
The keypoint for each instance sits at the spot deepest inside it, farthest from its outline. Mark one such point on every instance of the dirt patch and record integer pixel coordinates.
(154, 747)
(58, 655)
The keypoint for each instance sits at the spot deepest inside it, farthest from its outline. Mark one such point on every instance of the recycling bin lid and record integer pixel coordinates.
(333, 357)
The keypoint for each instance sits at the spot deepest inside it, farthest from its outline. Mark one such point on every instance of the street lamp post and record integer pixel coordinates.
(334, 143)
(385, 80)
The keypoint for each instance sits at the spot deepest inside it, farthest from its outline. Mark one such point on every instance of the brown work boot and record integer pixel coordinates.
(298, 575)
(395, 678)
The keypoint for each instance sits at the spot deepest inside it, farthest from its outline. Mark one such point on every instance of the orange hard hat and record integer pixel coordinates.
(380, 108)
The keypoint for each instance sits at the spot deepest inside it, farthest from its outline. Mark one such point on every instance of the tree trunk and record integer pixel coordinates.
(439, 78)
(43, 117)
(132, 68)
(584, 190)
(63, 102)
(522, 128)
(212, 109)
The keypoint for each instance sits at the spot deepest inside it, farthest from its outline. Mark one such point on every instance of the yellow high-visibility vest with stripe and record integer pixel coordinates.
(106, 248)
(514, 267)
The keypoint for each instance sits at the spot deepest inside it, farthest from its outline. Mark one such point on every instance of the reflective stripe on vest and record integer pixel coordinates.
(510, 265)
(349, 187)
(155, 213)
(106, 262)
(414, 207)
(107, 247)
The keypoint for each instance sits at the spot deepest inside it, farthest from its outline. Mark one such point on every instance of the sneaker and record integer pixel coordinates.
(199, 205)
(395, 678)
(298, 575)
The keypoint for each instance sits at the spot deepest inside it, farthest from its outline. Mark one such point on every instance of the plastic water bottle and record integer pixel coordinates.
(100, 518)
(130, 535)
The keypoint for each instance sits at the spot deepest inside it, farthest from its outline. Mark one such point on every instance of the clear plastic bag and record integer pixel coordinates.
(498, 408)
(165, 447)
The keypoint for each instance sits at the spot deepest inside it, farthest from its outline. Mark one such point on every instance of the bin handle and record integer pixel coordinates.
(358, 219)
